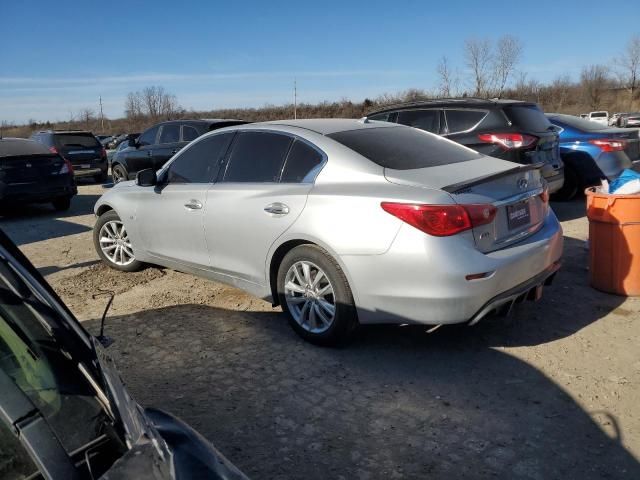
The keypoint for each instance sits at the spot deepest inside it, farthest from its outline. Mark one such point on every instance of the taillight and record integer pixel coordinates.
(609, 145)
(544, 196)
(66, 168)
(103, 153)
(53, 149)
(509, 141)
(441, 220)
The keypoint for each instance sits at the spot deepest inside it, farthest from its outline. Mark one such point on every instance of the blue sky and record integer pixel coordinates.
(59, 57)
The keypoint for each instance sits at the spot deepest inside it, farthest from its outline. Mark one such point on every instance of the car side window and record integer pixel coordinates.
(428, 120)
(170, 134)
(381, 117)
(200, 162)
(463, 120)
(302, 165)
(149, 137)
(257, 157)
(15, 462)
(189, 133)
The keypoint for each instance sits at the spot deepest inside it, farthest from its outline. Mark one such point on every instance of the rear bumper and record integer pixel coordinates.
(422, 279)
(10, 194)
(90, 172)
(555, 182)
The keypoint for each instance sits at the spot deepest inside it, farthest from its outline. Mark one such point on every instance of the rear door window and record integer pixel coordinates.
(527, 117)
(463, 120)
(381, 117)
(428, 120)
(15, 462)
(199, 162)
(303, 163)
(404, 148)
(170, 134)
(257, 157)
(189, 133)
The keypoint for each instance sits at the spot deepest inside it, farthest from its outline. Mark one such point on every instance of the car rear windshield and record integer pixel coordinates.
(76, 140)
(598, 114)
(576, 122)
(527, 117)
(403, 148)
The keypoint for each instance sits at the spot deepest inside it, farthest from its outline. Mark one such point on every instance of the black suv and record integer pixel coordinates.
(81, 148)
(159, 143)
(507, 129)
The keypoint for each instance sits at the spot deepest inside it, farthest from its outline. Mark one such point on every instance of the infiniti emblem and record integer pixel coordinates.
(523, 183)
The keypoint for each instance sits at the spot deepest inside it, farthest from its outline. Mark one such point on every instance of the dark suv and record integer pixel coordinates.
(159, 143)
(507, 129)
(81, 148)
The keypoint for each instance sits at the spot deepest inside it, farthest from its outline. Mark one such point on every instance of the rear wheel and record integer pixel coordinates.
(61, 203)
(314, 293)
(111, 241)
(119, 173)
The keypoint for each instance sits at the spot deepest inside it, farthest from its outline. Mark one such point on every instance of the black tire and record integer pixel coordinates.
(570, 187)
(111, 215)
(61, 204)
(119, 173)
(345, 320)
(100, 178)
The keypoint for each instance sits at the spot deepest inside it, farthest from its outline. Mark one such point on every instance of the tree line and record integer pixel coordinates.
(491, 68)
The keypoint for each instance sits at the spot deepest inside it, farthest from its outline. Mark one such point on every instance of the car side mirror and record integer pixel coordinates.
(147, 178)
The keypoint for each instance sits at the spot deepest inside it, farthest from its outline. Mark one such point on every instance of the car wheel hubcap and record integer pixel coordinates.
(115, 244)
(309, 296)
(117, 175)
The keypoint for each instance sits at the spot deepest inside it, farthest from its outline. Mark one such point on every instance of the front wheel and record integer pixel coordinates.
(111, 241)
(314, 293)
(119, 173)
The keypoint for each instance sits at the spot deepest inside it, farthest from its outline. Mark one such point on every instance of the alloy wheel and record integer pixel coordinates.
(310, 297)
(115, 244)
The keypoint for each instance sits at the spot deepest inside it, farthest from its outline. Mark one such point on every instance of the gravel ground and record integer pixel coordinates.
(551, 392)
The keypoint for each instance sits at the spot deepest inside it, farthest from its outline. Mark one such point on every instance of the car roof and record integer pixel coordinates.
(10, 147)
(66, 132)
(327, 126)
(470, 102)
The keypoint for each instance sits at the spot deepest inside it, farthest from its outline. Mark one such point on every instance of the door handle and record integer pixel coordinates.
(277, 208)
(193, 205)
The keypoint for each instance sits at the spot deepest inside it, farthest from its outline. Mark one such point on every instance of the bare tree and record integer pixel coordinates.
(507, 55)
(628, 66)
(478, 56)
(594, 79)
(152, 102)
(86, 116)
(448, 79)
(559, 91)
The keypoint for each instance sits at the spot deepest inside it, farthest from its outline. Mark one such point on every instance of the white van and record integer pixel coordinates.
(599, 117)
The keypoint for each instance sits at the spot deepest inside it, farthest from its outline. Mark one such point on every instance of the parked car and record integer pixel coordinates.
(507, 129)
(64, 412)
(105, 141)
(584, 115)
(116, 140)
(121, 146)
(30, 173)
(614, 120)
(591, 152)
(81, 148)
(102, 137)
(159, 143)
(601, 117)
(630, 120)
(341, 222)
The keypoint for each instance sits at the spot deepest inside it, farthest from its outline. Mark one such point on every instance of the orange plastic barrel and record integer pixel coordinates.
(614, 242)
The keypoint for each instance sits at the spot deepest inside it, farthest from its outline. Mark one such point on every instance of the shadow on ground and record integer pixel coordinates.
(397, 403)
(570, 210)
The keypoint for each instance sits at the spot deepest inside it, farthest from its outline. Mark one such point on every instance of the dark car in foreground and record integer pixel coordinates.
(81, 148)
(64, 412)
(30, 173)
(507, 129)
(591, 152)
(159, 143)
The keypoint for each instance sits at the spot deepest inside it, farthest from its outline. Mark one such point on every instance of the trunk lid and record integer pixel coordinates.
(514, 190)
(29, 169)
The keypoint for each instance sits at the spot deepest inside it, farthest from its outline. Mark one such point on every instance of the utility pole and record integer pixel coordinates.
(101, 116)
(295, 99)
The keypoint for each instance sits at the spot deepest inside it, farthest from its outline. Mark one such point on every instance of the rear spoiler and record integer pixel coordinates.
(457, 187)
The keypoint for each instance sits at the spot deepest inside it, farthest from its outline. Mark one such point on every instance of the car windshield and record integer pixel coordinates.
(76, 140)
(598, 114)
(404, 148)
(575, 122)
(528, 117)
(43, 368)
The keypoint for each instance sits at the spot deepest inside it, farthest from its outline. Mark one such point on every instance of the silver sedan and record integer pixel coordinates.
(341, 222)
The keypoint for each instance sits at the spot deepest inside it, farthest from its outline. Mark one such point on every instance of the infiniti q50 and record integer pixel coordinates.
(341, 222)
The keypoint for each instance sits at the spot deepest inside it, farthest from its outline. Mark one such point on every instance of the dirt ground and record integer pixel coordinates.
(551, 392)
